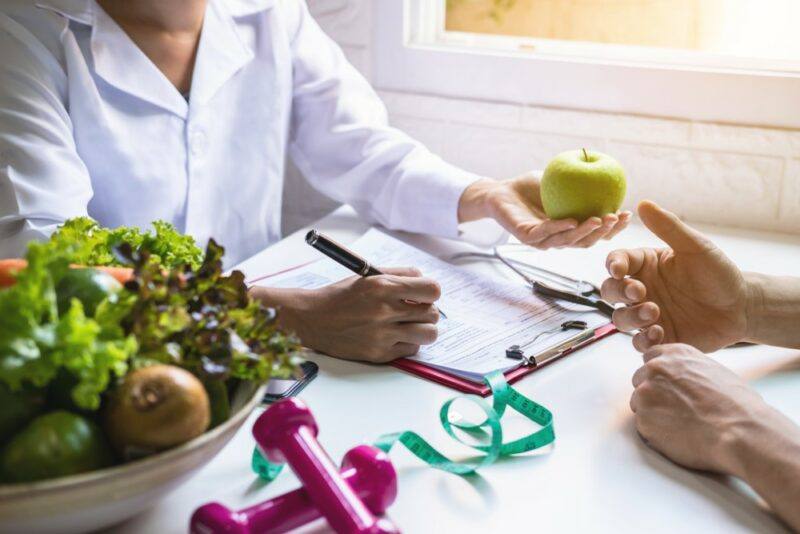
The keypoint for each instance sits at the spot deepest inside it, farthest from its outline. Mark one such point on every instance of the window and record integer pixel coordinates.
(757, 29)
(735, 61)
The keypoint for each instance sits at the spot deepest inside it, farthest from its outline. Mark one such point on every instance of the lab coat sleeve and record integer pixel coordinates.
(342, 142)
(42, 179)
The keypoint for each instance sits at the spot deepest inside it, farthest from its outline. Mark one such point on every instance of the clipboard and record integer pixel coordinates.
(468, 386)
(471, 385)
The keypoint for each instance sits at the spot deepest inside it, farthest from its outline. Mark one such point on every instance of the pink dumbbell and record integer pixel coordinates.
(287, 433)
(366, 469)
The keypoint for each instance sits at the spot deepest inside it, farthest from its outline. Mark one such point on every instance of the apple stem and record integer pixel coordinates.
(585, 155)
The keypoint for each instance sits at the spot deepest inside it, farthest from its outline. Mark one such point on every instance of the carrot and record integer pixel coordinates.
(9, 269)
(122, 274)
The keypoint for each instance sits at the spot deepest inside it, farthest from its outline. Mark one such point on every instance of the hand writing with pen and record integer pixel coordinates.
(375, 319)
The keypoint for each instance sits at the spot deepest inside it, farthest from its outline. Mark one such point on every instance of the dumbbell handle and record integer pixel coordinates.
(365, 469)
(333, 497)
(287, 432)
(281, 514)
(287, 512)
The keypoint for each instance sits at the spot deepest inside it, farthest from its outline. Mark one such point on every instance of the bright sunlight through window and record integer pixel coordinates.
(760, 29)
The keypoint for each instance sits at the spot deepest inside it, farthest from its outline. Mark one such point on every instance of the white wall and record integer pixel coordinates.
(716, 173)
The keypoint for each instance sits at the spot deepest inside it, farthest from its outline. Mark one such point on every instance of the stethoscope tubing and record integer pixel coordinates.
(570, 284)
(590, 297)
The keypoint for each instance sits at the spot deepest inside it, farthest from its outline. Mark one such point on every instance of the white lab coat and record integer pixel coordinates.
(88, 125)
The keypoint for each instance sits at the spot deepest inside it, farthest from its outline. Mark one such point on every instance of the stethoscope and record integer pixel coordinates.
(548, 283)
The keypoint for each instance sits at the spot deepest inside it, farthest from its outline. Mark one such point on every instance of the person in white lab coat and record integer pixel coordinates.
(184, 110)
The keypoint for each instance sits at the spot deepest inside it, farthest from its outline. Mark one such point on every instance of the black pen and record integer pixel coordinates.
(344, 257)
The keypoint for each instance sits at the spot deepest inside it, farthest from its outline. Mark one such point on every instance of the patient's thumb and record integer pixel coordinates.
(667, 226)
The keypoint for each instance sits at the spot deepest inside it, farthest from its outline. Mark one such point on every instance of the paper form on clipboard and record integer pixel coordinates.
(484, 316)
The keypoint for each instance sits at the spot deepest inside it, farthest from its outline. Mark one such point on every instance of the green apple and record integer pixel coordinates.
(582, 183)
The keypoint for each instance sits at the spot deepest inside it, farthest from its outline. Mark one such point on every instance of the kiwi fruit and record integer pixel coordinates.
(155, 408)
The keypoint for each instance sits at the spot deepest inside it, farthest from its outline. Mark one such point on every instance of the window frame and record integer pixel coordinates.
(412, 53)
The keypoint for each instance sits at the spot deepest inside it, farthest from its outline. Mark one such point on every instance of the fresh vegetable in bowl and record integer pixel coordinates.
(56, 444)
(155, 408)
(36, 341)
(149, 363)
(17, 408)
(87, 243)
(82, 241)
(203, 321)
(89, 286)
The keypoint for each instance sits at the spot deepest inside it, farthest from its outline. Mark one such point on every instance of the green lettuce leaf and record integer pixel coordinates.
(85, 242)
(35, 342)
(179, 309)
(205, 322)
(80, 348)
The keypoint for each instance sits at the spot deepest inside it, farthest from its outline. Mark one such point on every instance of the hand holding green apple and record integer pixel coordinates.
(580, 184)
(517, 205)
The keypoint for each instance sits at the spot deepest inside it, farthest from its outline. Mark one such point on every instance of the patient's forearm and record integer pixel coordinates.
(773, 311)
(766, 455)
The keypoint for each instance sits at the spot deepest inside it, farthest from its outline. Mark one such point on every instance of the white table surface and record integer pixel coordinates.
(599, 476)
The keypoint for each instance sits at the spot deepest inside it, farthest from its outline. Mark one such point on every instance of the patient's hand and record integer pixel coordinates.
(516, 205)
(375, 319)
(688, 293)
(694, 410)
(701, 415)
